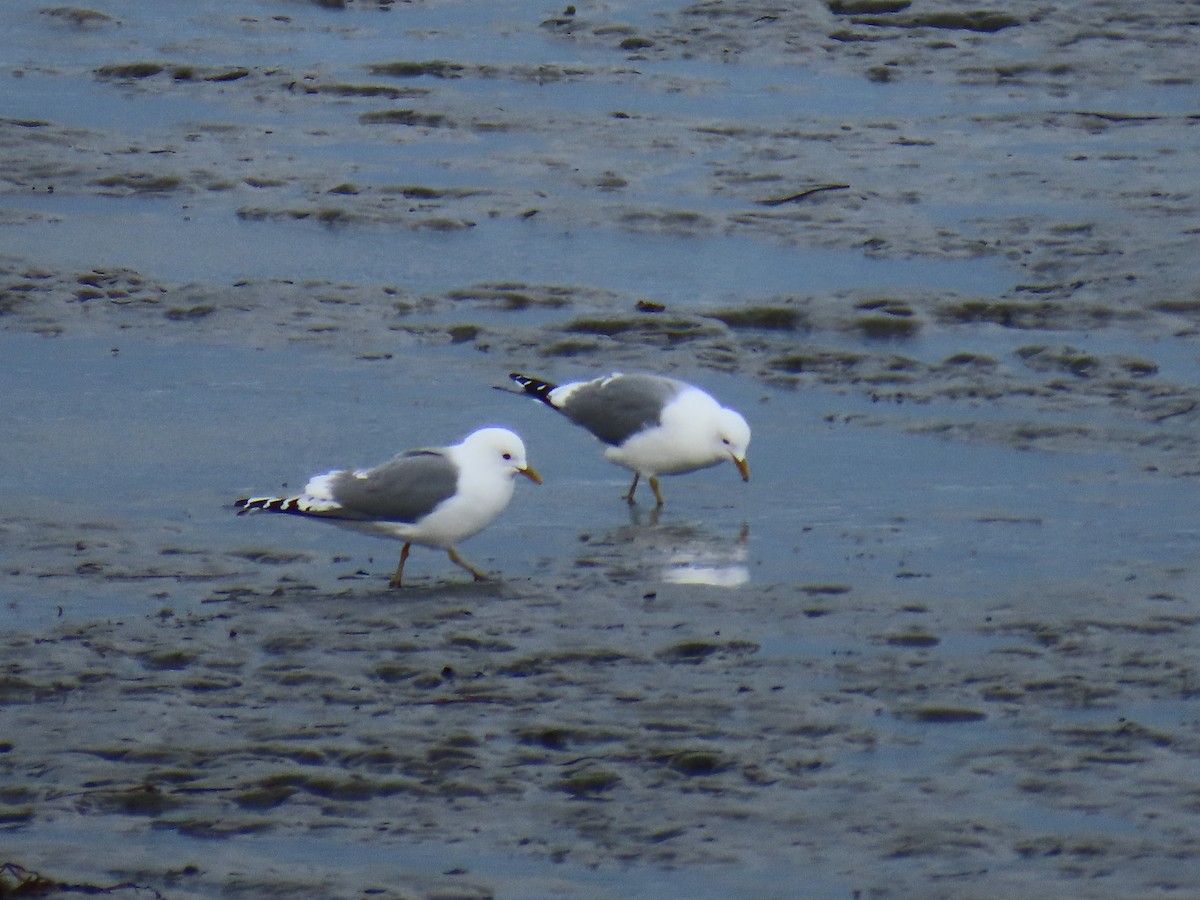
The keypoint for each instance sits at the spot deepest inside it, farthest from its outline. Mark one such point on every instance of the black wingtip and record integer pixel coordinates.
(534, 386)
(268, 504)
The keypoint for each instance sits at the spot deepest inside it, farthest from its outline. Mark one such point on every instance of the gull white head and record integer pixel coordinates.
(500, 448)
(732, 437)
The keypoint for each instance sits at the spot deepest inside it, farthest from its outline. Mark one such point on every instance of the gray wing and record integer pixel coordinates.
(616, 408)
(403, 490)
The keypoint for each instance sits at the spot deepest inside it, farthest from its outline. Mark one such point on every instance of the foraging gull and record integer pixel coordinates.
(432, 497)
(652, 424)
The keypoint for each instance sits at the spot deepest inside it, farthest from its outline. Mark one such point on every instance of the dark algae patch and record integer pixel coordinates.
(696, 651)
(408, 117)
(141, 182)
(130, 71)
(589, 782)
(78, 16)
(412, 69)
(777, 318)
(967, 20)
(18, 881)
(866, 7)
(887, 326)
(912, 639)
(946, 715)
(699, 762)
(143, 800)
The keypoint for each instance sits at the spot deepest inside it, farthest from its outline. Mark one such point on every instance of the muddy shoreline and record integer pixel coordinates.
(941, 644)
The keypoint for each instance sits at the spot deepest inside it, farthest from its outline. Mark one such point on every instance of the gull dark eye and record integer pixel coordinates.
(508, 456)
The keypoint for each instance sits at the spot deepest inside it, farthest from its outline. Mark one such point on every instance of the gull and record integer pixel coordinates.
(652, 425)
(432, 497)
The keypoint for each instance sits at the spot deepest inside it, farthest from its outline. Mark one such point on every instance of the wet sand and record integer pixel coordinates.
(940, 646)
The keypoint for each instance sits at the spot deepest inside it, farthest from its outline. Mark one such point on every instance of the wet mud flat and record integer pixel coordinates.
(658, 731)
(940, 646)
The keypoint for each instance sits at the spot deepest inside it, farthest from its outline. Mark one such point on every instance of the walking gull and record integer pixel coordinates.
(434, 497)
(652, 425)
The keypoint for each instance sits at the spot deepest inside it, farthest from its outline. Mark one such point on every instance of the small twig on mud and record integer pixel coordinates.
(792, 198)
(1116, 117)
(1178, 412)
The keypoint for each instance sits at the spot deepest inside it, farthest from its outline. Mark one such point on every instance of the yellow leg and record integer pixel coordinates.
(395, 582)
(657, 492)
(459, 561)
(633, 487)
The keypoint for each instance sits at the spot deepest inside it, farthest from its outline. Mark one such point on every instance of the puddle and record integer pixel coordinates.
(938, 644)
(827, 503)
(381, 864)
(207, 246)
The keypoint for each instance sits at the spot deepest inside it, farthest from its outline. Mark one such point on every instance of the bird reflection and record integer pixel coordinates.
(636, 515)
(686, 552)
(714, 561)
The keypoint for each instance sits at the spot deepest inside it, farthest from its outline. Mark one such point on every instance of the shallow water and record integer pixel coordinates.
(682, 271)
(938, 646)
(209, 423)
